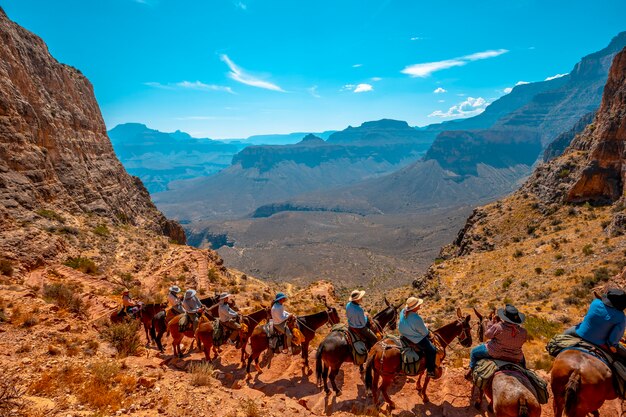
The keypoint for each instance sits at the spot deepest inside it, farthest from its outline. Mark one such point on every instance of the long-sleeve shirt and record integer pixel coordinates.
(225, 312)
(172, 300)
(191, 305)
(602, 325)
(412, 326)
(356, 315)
(127, 301)
(279, 314)
(506, 341)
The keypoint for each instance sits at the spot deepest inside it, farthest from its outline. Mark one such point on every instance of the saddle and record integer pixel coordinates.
(562, 342)
(485, 369)
(276, 339)
(218, 333)
(185, 323)
(357, 345)
(410, 354)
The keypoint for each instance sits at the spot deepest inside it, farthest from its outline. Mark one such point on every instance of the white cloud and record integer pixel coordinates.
(521, 83)
(313, 91)
(375, 79)
(427, 68)
(554, 77)
(470, 107)
(416, 38)
(363, 88)
(507, 90)
(441, 101)
(440, 90)
(347, 87)
(188, 85)
(357, 65)
(238, 74)
(241, 5)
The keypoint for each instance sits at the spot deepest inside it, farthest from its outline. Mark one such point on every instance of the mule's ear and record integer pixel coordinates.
(478, 315)
(387, 302)
(595, 294)
(459, 314)
(468, 318)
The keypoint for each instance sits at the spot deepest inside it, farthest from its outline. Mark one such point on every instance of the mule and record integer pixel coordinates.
(309, 324)
(510, 393)
(177, 336)
(385, 359)
(251, 321)
(580, 384)
(335, 348)
(145, 314)
(259, 342)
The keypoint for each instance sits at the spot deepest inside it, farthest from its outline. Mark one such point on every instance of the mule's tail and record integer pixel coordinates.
(523, 408)
(368, 373)
(571, 393)
(318, 363)
(153, 335)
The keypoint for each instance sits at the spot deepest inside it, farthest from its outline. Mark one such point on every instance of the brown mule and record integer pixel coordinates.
(259, 342)
(385, 361)
(251, 321)
(580, 383)
(177, 336)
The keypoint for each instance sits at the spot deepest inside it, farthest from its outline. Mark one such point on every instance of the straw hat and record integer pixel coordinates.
(224, 296)
(356, 295)
(175, 289)
(190, 294)
(412, 303)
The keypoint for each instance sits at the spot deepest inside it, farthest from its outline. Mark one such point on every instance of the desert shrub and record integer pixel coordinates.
(558, 256)
(507, 283)
(250, 408)
(538, 271)
(6, 267)
(63, 296)
(68, 230)
(29, 320)
(564, 173)
(524, 284)
(518, 253)
(10, 394)
(101, 230)
(213, 276)
(588, 249)
(559, 272)
(85, 265)
(202, 374)
(52, 380)
(124, 337)
(544, 362)
(50, 215)
(530, 229)
(541, 328)
(601, 274)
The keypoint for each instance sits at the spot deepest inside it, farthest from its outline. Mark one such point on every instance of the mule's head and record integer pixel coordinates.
(480, 331)
(333, 316)
(465, 335)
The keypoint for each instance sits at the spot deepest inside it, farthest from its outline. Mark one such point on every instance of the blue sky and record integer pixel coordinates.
(233, 68)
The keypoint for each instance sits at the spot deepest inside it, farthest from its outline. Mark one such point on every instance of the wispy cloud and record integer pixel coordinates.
(238, 74)
(357, 65)
(427, 68)
(363, 88)
(241, 5)
(376, 79)
(470, 107)
(313, 91)
(416, 38)
(521, 83)
(190, 85)
(507, 90)
(554, 77)
(440, 90)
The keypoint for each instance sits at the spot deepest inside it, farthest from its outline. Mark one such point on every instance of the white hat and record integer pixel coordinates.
(175, 288)
(189, 294)
(413, 302)
(356, 295)
(224, 296)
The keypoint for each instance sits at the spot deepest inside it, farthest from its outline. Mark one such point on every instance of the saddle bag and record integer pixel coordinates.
(182, 323)
(359, 352)
(218, 333)
(485, 369)
(410, 361)
(560, 342)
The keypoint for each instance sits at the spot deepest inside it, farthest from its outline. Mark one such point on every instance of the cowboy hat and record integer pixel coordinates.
(413, 302)
(189, 294)
(224, 296)
(175, 288)
(510, 314)
(615, 298)
(280, 296)
(126, 292)
(356, 295)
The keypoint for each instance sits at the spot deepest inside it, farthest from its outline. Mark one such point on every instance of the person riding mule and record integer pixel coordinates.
(414, 333)
(192, 307)
(279, 318)
(173, 300)
(358, 319)
(229, 318)
(129, 306)
(604, 323)
(507, 337)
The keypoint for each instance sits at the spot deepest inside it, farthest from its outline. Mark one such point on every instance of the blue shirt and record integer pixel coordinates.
(412, 326)
(602, 325)
(356, 315)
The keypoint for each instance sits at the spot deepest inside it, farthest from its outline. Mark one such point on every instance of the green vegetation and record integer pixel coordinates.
(101, 230)
(6, 267)
(518, 253)
(538, 270)
(564, 173)
(541, 328)
(50, 215)
(124, 337)
(63, 296)
(588, 249)
(213, 276)
(559, 272)
(85, 265)
(202, 373)
(507, 283)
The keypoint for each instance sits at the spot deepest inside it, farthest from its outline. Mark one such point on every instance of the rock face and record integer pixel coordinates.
(558, 146)
(54, 150)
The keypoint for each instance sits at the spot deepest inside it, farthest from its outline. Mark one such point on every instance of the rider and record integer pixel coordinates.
(173, 300)
(192, 306)
(604, 322)
(228, 318)
(279, 317)
(358, 319)
(507, 337)
(414, 332)
(129, 305)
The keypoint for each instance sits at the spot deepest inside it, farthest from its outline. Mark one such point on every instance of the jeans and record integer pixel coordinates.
(367, 335)
(478, 353)
(430, 353)
(282, 328)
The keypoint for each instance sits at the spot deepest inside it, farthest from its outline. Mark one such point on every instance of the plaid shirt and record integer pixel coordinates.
(506, 341)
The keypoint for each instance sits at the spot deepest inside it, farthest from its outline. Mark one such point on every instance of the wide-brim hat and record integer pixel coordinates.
(126, 292)
(224, 296)
(413, 302)
(280, 296)
(356, 295)
(190, 294)
(175, 288)
(510, 314)
(615, 298)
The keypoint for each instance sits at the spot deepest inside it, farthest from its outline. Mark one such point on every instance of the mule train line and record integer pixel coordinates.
(589, 369)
